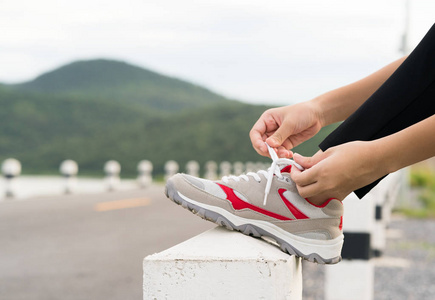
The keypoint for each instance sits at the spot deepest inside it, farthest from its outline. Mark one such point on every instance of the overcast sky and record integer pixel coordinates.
(274, 52)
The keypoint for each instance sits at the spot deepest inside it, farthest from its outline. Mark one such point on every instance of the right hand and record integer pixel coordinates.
(340, 170)
(284, 128)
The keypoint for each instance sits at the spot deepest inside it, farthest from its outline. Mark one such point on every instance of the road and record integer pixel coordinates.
(92, 246)
(87, 246)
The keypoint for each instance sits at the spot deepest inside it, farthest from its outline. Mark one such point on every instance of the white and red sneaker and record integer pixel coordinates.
(279, 215)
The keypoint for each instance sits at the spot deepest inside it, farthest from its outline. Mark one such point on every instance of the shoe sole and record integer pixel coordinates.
(245, 226)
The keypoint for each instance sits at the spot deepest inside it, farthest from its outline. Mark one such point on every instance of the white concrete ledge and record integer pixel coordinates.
(221, 264)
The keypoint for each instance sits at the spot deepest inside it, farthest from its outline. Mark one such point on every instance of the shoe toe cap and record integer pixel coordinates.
(187, 182)
(199, 183)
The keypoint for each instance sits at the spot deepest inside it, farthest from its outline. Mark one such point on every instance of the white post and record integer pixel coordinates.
(171, 168)
(192, 168)
(225, 168)
(145, 169)
(69, 169)
(398, 187)
(250, 166)
(112, 168)
(353, 278)
(238, 168)
(222, 264)
(403, 195)
(385, 193)
(380, 194)
(11, 168)
(259, 166)
(211, 170)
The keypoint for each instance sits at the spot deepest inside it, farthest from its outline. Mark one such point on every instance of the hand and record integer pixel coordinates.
(285, 127)
(338, 171)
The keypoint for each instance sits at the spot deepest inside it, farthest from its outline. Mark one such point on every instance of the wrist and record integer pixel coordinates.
(330, 107)
(385, 160)
(318, 106)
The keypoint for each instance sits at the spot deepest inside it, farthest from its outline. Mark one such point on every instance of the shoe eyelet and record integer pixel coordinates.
(284, 179)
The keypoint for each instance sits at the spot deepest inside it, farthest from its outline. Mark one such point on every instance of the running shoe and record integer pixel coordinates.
(266, 204)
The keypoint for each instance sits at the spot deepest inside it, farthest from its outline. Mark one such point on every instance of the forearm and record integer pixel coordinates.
(406, 147)
(349, 166)
(338, 104)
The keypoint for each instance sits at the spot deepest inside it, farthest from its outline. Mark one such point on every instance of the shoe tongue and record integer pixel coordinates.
(286, 168)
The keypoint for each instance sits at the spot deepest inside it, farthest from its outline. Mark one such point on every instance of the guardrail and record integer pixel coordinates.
(11, 170)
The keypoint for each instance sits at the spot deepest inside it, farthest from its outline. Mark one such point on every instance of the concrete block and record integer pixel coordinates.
(222, 264)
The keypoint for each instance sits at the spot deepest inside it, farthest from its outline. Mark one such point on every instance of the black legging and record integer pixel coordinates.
(406, 97)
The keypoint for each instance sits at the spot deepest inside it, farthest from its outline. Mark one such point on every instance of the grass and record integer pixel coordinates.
(422, 179)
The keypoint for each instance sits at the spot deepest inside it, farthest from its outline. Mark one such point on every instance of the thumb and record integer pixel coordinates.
(308, 162)
(279, 136)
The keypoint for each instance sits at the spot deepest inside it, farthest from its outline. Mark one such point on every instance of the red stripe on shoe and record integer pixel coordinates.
(296, 212)
(286, 169)
(239, 204)
(321, 205)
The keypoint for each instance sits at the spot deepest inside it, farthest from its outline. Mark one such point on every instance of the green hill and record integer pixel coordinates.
(109, 79)
(43, 122)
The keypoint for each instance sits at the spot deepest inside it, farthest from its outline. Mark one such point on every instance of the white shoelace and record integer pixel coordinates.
(273, 170)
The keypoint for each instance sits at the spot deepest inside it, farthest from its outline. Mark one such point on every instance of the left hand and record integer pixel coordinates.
(338, 171)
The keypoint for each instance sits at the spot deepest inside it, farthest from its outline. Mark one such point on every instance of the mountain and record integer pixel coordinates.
(69, 113)
(43, 130)
(123, 82)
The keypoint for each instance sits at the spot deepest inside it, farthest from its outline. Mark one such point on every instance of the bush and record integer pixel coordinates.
(422, 178)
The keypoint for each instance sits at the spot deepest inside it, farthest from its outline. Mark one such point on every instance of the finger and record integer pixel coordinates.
(288, 144)
(261, 148)
(305, 162)
(303, 178)
(280, 136)
(257, 136)
(308, 162)
(309, 190)
(283, 152)
(262, 129)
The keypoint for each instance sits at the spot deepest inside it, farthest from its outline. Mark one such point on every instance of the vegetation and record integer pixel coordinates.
(99, 110)
(423, 181)
(422, 177)
(125, 83)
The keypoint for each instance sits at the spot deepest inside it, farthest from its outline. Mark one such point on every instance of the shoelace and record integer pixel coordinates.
(273, 170)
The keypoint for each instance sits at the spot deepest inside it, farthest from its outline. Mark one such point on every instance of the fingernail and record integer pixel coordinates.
(261, 146)
(271, 141)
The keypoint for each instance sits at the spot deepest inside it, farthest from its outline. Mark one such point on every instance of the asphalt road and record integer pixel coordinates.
(87, 246)
(92, 247)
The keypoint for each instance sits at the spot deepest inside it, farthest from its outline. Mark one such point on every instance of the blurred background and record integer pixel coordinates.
(93, 81)
(99, 80)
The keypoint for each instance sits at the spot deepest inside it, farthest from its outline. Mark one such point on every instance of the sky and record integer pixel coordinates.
(265, 52)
